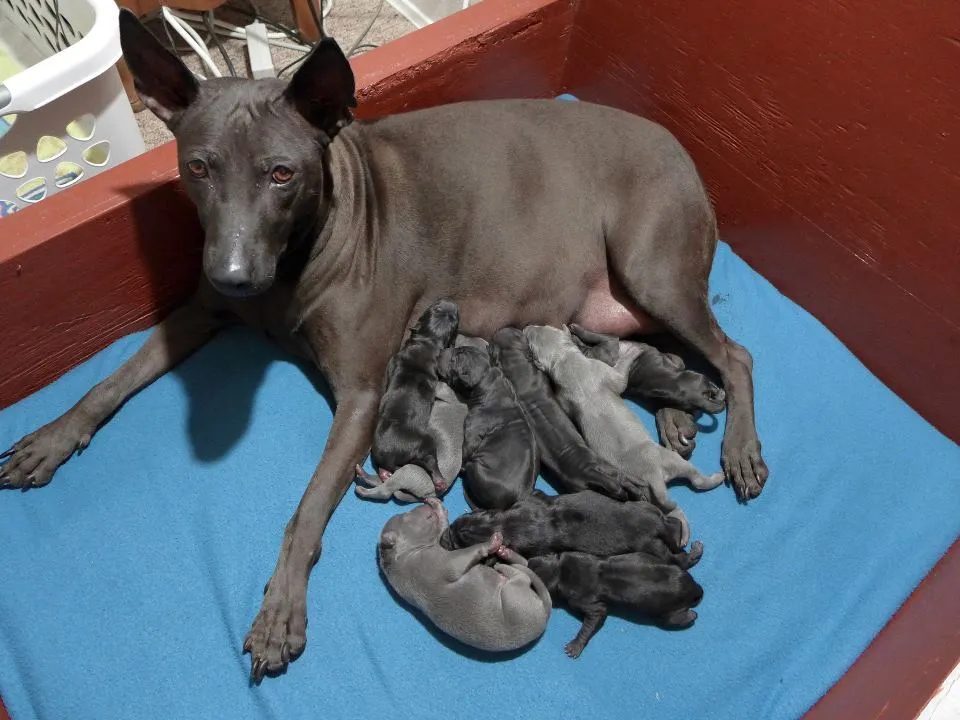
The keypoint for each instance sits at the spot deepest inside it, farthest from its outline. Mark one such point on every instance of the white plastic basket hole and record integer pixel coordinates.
(98, 154)
(14, 165)
(67, 173)
(33, 191)
(50, 148)
(82, 128)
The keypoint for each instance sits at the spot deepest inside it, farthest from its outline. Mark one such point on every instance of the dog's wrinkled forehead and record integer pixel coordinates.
(242, 120)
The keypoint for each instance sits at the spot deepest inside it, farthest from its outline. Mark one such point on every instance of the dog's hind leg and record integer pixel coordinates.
(593, 620)
(32, 461)
(661, 252)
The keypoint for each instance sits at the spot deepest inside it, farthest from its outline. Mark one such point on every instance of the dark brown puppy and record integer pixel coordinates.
(658, 588)
(661, 381)
(500, 461)
(402, 436)
(657, 377)
(568, 463)
(585, 521)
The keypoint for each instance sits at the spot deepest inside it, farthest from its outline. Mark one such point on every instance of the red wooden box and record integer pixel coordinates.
(828, 134)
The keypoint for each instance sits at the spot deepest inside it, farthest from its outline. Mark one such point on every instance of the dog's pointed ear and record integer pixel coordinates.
(322, 89)
(162, 81)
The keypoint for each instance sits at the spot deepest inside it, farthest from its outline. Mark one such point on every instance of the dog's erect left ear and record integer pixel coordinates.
(162, 81)
(322, 90)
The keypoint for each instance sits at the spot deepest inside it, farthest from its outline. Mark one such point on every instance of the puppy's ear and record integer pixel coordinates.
(445, 365)
(494, 351)
(388, 540)
(322, 90)
(162, 81)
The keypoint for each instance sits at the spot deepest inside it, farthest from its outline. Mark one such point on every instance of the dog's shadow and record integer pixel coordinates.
(222, 380)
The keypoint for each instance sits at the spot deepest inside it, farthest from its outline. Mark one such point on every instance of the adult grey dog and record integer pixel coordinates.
(496, 608)
(333, 236)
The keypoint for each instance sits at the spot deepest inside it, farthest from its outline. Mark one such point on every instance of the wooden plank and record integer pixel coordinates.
(828, 135)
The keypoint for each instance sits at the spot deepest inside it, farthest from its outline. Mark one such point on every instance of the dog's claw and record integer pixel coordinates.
(745, 470)
(278, 634)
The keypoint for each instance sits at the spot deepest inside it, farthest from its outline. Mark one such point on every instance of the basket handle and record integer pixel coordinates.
(89, 57)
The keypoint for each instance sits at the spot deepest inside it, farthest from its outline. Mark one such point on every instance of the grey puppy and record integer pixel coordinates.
(332, 236)
(589, 390)
(496, 608)
(470, 341)
(411, 483)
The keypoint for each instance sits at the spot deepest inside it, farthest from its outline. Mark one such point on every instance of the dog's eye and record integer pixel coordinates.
(197, 168)
(281, 175)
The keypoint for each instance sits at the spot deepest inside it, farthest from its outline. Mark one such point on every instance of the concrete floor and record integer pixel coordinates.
(345, 22)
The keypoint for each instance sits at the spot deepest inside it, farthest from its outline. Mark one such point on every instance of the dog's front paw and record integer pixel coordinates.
(744, 468)
(279, 633)
(677, 431)
(32, 461)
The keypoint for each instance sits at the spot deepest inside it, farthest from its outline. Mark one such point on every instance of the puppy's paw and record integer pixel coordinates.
(710, 397)
(677, 431)
(695, 553)
(574, 648)
(279, 633)
(495, 543)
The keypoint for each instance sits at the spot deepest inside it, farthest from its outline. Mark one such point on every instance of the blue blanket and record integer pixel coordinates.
(128, 584)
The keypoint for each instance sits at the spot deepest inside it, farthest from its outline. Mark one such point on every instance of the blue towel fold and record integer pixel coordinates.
(128, 584)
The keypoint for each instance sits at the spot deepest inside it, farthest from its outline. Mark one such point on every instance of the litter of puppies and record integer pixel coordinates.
(491, 413)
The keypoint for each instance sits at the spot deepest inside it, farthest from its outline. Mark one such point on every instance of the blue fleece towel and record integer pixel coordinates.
(128, 584)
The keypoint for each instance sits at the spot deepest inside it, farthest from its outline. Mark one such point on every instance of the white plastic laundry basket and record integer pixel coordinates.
(65, 117)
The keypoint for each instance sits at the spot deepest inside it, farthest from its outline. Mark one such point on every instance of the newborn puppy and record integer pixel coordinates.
(498, 608)
(402, 435)
(661, 590)
(586, 521)
(470, 341)
(654, 376)
(500, 462)
(412, 483)
(589, 391)
(569, 463)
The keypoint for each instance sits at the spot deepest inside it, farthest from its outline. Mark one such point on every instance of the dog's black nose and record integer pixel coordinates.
(233, 280)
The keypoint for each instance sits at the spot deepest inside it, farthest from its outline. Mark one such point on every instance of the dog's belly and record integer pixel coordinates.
(607, 309)
(596, 304)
